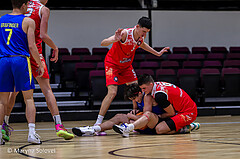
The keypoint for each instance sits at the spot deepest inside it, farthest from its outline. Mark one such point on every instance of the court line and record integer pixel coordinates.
(216, 123)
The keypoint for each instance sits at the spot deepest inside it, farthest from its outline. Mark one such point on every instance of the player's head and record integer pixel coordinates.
(20, 4)
(44, 2)
(145, 22)
(144, 25)
(133, 92)
(146, 83)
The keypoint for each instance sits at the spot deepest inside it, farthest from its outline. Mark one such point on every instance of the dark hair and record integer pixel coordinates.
(145, 79)
(18, 3)
(131, 91)
(145, 22)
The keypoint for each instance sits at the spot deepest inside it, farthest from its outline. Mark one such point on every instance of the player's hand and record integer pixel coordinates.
(54, 55)
(134, 111)
(118, 34)
(163, 51)
(40, 70)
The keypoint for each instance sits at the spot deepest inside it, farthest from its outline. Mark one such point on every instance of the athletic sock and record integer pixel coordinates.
(0, 133)
(99, 120)
(31, 127)
(57, 119)
(97, 128)
(131, 127)
(6, 119)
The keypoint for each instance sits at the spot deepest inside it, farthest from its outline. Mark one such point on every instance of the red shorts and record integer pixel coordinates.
(117, 76)
(183, 119)
(35, 68)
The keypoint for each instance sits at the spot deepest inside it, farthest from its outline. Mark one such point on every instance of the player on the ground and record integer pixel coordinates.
(180, 109)
(118, 61)
(144, 103)
(40, 14)
(16, 40)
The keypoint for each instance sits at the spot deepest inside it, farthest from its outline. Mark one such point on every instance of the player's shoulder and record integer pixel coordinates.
(28, 21)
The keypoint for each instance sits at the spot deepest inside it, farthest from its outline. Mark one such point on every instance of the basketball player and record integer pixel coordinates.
(180, 109)
(118, 61)
(16, 40)
(144, 103)
(40, 14)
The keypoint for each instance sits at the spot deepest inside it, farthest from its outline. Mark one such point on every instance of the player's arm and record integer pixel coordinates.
(161, 99)
(29, 29)
(148, 103)
(45, 13)
(120, 34)
(148, 48)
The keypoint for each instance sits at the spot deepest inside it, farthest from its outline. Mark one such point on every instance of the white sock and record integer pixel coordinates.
(31, 127)
(6, 119)
(97, 128)
(57, 119)
(99, 120)
(0, 132)
(131, 127)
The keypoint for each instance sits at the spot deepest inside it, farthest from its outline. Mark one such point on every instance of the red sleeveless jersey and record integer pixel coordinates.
(34, 12)
(180, 100)
(122, 54)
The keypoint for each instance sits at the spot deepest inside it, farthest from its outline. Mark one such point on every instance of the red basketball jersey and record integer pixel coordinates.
(122, 53)
(180, 100)
(34, 12)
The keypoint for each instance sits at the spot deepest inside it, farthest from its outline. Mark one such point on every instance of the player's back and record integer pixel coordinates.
(180, 100)
(34, 12)
(13, 40)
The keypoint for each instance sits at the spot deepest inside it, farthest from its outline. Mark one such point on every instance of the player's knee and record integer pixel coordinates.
(159, 130)
(148, 114)
(112, 93)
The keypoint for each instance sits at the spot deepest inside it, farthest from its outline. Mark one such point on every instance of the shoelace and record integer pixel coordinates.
(8, 129)
(36, 135)
(62, 127)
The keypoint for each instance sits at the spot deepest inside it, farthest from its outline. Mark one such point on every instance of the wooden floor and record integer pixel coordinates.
(218, 138)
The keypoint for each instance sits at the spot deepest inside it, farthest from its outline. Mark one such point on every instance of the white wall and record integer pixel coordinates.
(85, 28)
(196, 28)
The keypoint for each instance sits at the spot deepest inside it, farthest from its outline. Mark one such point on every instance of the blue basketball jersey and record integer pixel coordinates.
(13, 40)
(155, 109)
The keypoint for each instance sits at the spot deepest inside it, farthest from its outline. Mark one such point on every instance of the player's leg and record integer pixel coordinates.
(112, 92)
(6, 129)
(148, 119)
(52, 103)
(33, 137)
(107, 125)
(3, 103)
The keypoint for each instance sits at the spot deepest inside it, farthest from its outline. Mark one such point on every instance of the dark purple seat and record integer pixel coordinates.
(231, 82)
(210, 81)
(151, 57)
(196, 57)
(216, 56)
(98, 85)
(169, 64)
(149, 65)
(234, 49)
(80, 51)
(219, 49)
(139, 58)
(102, 51)
(166, 75)
(200, 50)
(82, 75)
(70, 58)
(232, 63)
(55, 68)
(92, 58)
(177, 57)
(188, 81)
(100, 66)
(181, 50)
(140, 51)
(212, 64)
(233, 56)
(144, 71)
